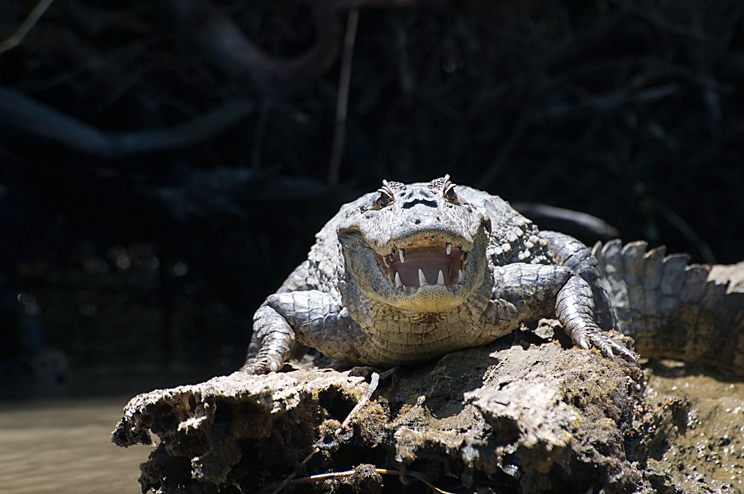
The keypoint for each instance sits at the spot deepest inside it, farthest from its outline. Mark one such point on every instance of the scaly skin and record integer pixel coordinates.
(485, 269)
(674, 310)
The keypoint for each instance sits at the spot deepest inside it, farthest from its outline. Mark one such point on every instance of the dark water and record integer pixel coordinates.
(64, 446)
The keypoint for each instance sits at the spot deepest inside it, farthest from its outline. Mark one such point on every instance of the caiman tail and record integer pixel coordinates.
(676, 310)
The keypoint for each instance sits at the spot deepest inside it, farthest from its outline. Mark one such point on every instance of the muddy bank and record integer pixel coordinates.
(522, 415)
(705, 426)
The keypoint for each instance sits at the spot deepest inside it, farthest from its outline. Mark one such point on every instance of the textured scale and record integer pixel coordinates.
(674, 310)
(411, 272)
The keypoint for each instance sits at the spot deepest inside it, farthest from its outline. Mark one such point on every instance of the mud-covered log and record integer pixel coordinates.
(523, 414)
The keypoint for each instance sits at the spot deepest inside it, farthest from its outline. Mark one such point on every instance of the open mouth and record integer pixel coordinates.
(436, 263)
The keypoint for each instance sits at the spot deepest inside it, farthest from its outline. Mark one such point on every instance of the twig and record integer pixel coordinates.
(612, 101)
(25, 26)
(661, 22)
(258, 134)
(404, 69)
(322, 477)
(363, 401)
(23, 117)
(385, 374)
(685, 229)
(222, 43)
(292, 475)
(506, 149)
(592, 224)
(342, 101)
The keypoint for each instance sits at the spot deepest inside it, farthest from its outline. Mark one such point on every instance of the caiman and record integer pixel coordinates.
(411, 272)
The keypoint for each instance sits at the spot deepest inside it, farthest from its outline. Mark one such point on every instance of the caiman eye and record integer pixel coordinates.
(386, 197)
(449, 193)
(447, 188)
(383, 200)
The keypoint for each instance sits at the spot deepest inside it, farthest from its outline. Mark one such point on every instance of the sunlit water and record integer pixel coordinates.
(65, 446)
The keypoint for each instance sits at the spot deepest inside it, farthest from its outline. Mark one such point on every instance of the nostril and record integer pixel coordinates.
(408, 204)
(417, 221)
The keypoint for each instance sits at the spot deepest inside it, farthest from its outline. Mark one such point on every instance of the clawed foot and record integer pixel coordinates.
(575, 310)
(261, 365)
(588, 337)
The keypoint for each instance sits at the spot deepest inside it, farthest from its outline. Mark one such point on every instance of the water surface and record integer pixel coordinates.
(64, 447)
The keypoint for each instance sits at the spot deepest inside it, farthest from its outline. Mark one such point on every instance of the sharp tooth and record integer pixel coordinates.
(385, 261)
(402, 253)
(398, 283)
(440, 278)
(459, 277)
(449, 248)
(422, 278)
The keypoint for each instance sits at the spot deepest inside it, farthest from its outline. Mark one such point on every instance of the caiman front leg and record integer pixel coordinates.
(522, 292)
(576, 301)
(272, 340)
(312, 318)
(567, 251)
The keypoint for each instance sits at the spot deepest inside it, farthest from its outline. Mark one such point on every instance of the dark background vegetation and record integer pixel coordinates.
(164, 165)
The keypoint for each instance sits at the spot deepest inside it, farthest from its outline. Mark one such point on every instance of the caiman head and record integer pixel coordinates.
(417, 247)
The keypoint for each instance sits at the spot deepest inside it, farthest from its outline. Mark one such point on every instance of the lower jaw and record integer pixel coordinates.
(428, 299)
